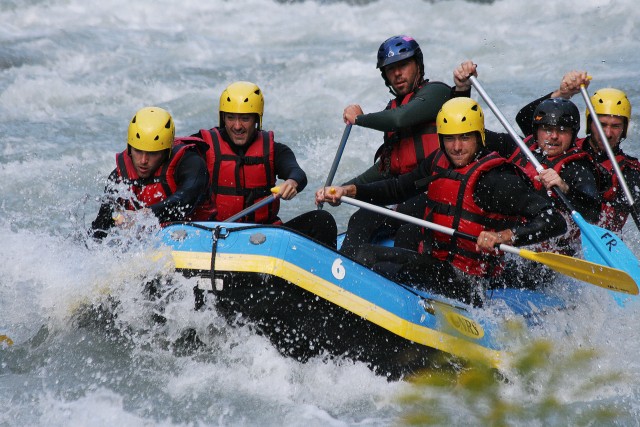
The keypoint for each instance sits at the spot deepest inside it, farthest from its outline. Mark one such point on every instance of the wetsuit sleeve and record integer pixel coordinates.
(104, 220)
(372, 174)
(524, 118)
(422, 108)
(583, 189)
(396, 190)
(287, 166)
(191, 178)
(501, 190)
(500, 142)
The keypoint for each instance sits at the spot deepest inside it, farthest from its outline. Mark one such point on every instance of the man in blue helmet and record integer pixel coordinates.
(408, 123)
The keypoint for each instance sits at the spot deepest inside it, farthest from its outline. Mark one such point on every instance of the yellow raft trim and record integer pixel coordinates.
(277, 267)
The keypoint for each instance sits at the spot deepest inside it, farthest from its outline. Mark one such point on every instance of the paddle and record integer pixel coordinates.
(275, 194)
(336, 160)
(616, 167)
(600, 245)
(599, 275)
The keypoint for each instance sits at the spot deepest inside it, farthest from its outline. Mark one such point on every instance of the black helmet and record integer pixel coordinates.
(557, 112)
(398, 48)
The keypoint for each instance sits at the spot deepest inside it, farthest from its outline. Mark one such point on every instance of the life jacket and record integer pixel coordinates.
(239, 181)
(615, 207)
(450, 203)
(569, 242)
(404, 148)
(161, 185)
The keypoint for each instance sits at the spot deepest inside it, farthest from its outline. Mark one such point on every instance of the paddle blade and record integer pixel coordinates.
(602, 246)
(599, 275)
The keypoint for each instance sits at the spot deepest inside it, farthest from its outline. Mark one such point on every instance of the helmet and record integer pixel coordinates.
(460, 115)
(242, 98)
(397, 48)
(557, 112)
(151, 129)
(612, 102)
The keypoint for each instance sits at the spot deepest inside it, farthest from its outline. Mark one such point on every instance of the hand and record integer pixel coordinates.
(461, 75)
(350, 113)
(288, 189)
(488, 241)
(550, 178)
(570, 84)
(126, 219)
(332, 195)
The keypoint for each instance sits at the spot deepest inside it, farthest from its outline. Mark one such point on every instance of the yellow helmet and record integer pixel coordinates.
(242, 98)
(460, 115)
(151, 129)
(611, 102)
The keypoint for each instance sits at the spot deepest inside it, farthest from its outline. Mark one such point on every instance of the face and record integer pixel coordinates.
(613, 126)
(146, 162)
(461, 148)
(240, 127)
(403, 75)
(554, 140)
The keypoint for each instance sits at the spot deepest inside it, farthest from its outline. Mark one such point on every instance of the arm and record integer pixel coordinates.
(583, 189)
(500, 142)
(191, 177)
(104, 220)
(422, 108)
(372, 174)
(569, 86)
(287, 168)
(501, 190)
(385, 192)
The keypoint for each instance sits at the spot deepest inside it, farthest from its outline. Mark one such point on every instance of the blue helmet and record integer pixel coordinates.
(398, 48)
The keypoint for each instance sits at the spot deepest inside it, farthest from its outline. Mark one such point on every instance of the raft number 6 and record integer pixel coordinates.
(338, 270)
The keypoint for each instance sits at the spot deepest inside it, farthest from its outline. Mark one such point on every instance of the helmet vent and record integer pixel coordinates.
(134, 119)
(138, 135)
(156, 138)
(246, 100)
(464, 119)
(168, 125)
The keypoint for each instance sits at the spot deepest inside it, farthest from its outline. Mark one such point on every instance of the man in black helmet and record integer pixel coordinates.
(408, 123)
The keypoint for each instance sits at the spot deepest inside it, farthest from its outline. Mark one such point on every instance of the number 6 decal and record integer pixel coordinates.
(338, 270)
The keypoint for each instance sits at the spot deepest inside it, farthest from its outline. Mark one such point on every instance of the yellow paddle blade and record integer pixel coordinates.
(597, 274)
(5, 339)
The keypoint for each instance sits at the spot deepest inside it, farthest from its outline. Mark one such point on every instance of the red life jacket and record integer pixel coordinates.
(161, 185)
(615, 207)
(450, 203)
(403, 149)
(239, 181)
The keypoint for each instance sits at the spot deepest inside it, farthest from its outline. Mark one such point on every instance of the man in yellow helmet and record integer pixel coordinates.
(247, 161)
(614, 113)
(154, 176)
(468, 188)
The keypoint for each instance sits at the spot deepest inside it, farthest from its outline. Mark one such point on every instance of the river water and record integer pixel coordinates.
(73, 72)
